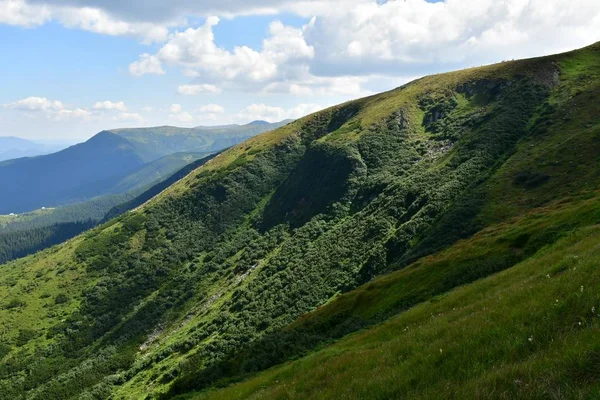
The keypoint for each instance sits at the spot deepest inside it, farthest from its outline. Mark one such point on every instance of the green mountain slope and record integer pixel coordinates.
(440, 183)
(529, 332)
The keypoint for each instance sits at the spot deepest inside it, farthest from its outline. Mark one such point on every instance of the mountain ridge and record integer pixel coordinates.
(94, 167)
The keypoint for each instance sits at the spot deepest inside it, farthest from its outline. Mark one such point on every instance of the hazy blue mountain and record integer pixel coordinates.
(111, 162)
(14, 147)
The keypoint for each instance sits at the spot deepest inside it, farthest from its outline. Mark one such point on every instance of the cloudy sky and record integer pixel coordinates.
(71, 68)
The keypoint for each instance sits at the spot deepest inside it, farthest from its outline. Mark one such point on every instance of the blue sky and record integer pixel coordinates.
(74, 67)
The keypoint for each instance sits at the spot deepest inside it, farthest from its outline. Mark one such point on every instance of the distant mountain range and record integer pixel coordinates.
(111, 162)
(14, 147)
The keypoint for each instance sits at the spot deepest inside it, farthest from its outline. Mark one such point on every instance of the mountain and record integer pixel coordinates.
(24, 234)
(435, 241)
(76, 173)
(14, 147)
(103, 164)
(158, 142)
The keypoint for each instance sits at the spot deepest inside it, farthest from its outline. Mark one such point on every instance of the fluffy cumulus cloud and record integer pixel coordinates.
(350, 37)
(342, 42)
(342, 48)
(36, 104)
(80, 16)
(193, 90)
(52, 109)
(147, 64)
(75, 113)
(17, 12)
(177, 114)
(195, 50)
(412, 36)
(110, 106)
(161, 11)
(127, 116)
(102, 111)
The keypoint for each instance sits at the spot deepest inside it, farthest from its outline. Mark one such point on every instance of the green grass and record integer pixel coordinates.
(528, 332)
(492, 250)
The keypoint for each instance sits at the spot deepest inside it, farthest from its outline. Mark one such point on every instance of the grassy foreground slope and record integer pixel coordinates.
(528, 332)
(198, 287)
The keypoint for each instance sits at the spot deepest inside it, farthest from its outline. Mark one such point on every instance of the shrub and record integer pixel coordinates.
(61, 299)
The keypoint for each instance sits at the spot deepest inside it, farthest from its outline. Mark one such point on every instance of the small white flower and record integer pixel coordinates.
(530, 339)
(581, 288)
(593, 310)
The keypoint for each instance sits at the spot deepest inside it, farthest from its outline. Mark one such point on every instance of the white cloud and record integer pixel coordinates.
(193, 90)
(110, 106)
(179, 115)
(93, 19)
(161, 11)
(195, 50)
(125, 116)
(415, 36)
(52, 109)
(17, 12)
(147, 109)
(147, 64)
(36, 104)
(372, 39)
(66, 114)
(182, 117)
(343, 40)
(275, 114)
(211, 108)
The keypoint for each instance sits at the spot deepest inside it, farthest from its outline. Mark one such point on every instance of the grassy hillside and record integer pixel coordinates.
(435, 185)
(529, 332)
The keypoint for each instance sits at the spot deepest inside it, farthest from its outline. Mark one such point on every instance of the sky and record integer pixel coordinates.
(71, 68)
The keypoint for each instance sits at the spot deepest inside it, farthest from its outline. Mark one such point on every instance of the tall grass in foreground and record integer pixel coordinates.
(529, 332)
